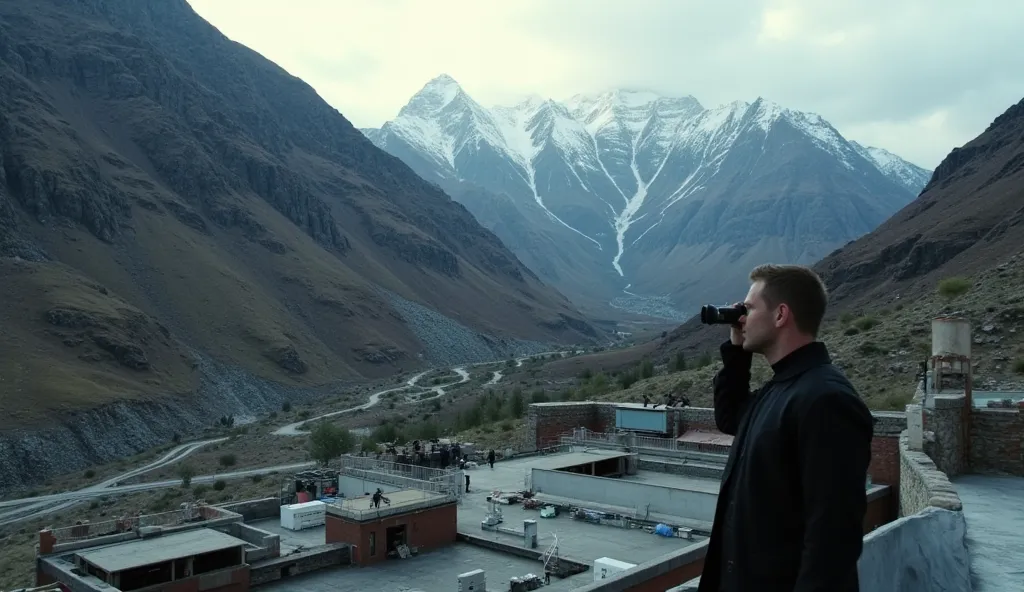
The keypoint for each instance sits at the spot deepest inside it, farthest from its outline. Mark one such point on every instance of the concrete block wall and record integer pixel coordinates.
(922, 483)
(322, 557)
(997, 441)
(645, 497)
(257, 509)
(268, 544)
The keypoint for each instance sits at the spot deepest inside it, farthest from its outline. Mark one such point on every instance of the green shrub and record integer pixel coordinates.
(951, 287)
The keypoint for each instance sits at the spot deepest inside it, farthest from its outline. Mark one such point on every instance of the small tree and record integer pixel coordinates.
(328, 441)
(646, 369)
(516, 404)
(680, 363)
(186, 472)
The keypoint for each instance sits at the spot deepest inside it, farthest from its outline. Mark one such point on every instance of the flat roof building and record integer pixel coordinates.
(167, 559)
(417, 519)
(197, 547)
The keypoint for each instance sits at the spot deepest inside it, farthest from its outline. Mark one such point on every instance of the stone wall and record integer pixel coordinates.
(697, 418)
(997, 441)
(922, 484)
(944, 432)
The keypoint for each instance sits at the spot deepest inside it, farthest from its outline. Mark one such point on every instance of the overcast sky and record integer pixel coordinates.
(917, 77)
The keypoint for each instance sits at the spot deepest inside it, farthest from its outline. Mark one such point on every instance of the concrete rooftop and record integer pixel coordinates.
(360, 508)
(436, 571)
(995, 521)
(565, 459)
(675, 481)
(122, 556)
(578, 540)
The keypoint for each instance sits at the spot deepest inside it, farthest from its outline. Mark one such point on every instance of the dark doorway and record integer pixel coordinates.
(395, 536)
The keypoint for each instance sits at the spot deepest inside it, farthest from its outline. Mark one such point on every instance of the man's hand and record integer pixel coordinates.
(736, 330)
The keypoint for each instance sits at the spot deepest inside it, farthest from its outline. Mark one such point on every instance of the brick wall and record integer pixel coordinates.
(426, 529)
(885, 449)
(547, 421)
(996, 441)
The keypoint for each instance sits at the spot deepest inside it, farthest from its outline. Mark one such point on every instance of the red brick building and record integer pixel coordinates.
(414, 518)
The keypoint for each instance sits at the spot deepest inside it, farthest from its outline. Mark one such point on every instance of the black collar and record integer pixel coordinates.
(800, 360)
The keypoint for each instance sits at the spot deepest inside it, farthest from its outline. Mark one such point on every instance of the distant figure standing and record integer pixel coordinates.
(490, 458)
(467, 483)
(647, 399)
(378, 497)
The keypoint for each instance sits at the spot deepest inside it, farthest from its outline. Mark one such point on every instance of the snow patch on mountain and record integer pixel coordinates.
(620, 141)
(894, 166)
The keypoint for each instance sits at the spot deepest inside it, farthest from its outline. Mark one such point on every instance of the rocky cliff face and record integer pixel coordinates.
(166, 193)
(969, 218)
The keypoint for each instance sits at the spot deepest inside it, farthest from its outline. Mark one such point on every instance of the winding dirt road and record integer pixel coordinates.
(18, 510)
(26, 508)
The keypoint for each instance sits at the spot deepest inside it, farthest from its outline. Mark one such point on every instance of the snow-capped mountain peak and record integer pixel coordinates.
(629, 177)
(433, 97)
(893, 165)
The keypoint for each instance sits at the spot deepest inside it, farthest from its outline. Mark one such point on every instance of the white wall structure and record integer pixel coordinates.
(658, 499)
(923, 552)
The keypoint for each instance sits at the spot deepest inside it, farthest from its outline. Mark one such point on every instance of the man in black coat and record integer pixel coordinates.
(791, 509)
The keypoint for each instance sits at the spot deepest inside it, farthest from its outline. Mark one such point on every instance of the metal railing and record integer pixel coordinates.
(393, 468)
(351, 508)
(655, 442)
(585, 437)
(450, 486)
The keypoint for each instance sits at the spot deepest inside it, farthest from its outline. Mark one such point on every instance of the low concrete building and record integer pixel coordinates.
(417, 519)
(201, 559)
(198, 547)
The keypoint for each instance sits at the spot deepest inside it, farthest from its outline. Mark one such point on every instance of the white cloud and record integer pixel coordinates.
(917, 77)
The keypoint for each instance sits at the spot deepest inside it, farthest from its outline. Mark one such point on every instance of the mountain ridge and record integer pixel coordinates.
(188, 229)
(931, 239)
(599, 175)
